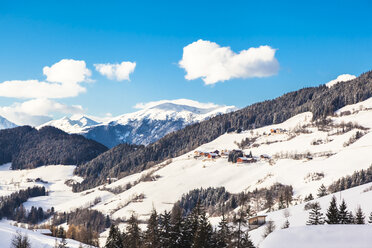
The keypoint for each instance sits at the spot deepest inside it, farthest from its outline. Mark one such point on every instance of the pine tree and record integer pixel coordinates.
(269, 200)
(246, 241)
(359, 216)
(114, 240)
(176, 227)
(240, 221)
(223, 233)
(151, 239)
(351, 219)
(322, 191)
(332, 212)
(281, 202)
(315, 216)
(343, 214)
(370, 218)
(133, 236)
(165, 230)
(269, 228)
(204, 232)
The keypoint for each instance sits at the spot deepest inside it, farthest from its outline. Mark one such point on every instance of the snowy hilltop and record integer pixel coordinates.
(4, 123)
(153, 121)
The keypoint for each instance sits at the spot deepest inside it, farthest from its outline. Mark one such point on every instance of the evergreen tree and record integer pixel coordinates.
(269, 200)
(176, 227)
(359, 216)
(315, 216)
(223, 233)
(133, 236)
(370, 218)
(332, 212)
(322, 191)
(151, 239)
(343, 214)
(281, 202)
(165, 230)
(246, 241)
(309, 198)
(204, 233)
(351, 219)
(114, 240)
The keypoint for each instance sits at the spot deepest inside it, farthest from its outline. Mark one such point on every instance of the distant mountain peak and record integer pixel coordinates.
(4, 123)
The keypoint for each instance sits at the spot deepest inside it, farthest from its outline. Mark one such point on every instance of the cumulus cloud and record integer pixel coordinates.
(117, 72)
(213, 63)
(62, 80)
(67, 71)
(37, 111)
(340, 78)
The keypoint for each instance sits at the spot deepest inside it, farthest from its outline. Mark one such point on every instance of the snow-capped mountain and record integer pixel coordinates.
(75, 124)
(4, 123)
(153, 121)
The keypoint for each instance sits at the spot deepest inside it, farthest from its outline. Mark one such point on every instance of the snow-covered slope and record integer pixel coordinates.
(303, 154)
(152, 122)
(4, 123)
(339, 79)
(75, 124)
(37, 240)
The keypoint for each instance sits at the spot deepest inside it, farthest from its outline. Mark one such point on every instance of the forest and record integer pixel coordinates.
(27, 147)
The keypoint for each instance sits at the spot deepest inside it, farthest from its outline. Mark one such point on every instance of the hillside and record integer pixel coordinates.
(27, 147)
(320, 101)
(152, 122)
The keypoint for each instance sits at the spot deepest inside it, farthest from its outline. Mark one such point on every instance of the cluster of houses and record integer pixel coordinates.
(243, 159)
(277, 131)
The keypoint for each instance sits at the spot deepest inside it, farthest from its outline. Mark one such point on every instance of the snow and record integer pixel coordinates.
(340, 78)
(36, 239)
(4, 123)
(187, 110)
(324, 236)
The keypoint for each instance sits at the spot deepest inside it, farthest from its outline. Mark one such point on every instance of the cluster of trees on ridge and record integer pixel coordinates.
(27, 147)
(321, 101)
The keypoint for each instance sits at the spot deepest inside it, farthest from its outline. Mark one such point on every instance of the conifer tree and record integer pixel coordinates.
(151, 238)
(322, 191)
(286, 224)
(315, 216)
(204, 233)
(343, 214)
(246, 241)
(114, 240)
(332, 212)
(269, 200)
(281, 202)
(133, 236)
(176, 227)
(223, 233)
(359, 216)
(351, 218)
(370, 218)
(165, 230)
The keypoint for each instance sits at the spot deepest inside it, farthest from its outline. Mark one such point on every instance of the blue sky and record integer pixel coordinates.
(315, 42)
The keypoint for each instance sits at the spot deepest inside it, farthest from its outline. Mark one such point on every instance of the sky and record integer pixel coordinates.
(102, 58)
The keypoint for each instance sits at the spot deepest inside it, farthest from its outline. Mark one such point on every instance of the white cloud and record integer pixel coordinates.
(117, 72)
(63, 80)
(37, 111)
(340, 78)
(213, 63)
(67, 71)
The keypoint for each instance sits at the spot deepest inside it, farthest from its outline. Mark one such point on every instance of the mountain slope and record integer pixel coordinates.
(145, 126)
(4, 123)
(321, 101)
(27, 147)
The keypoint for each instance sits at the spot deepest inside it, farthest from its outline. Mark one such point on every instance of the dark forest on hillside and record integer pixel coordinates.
(27, 147)
(321, 101)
